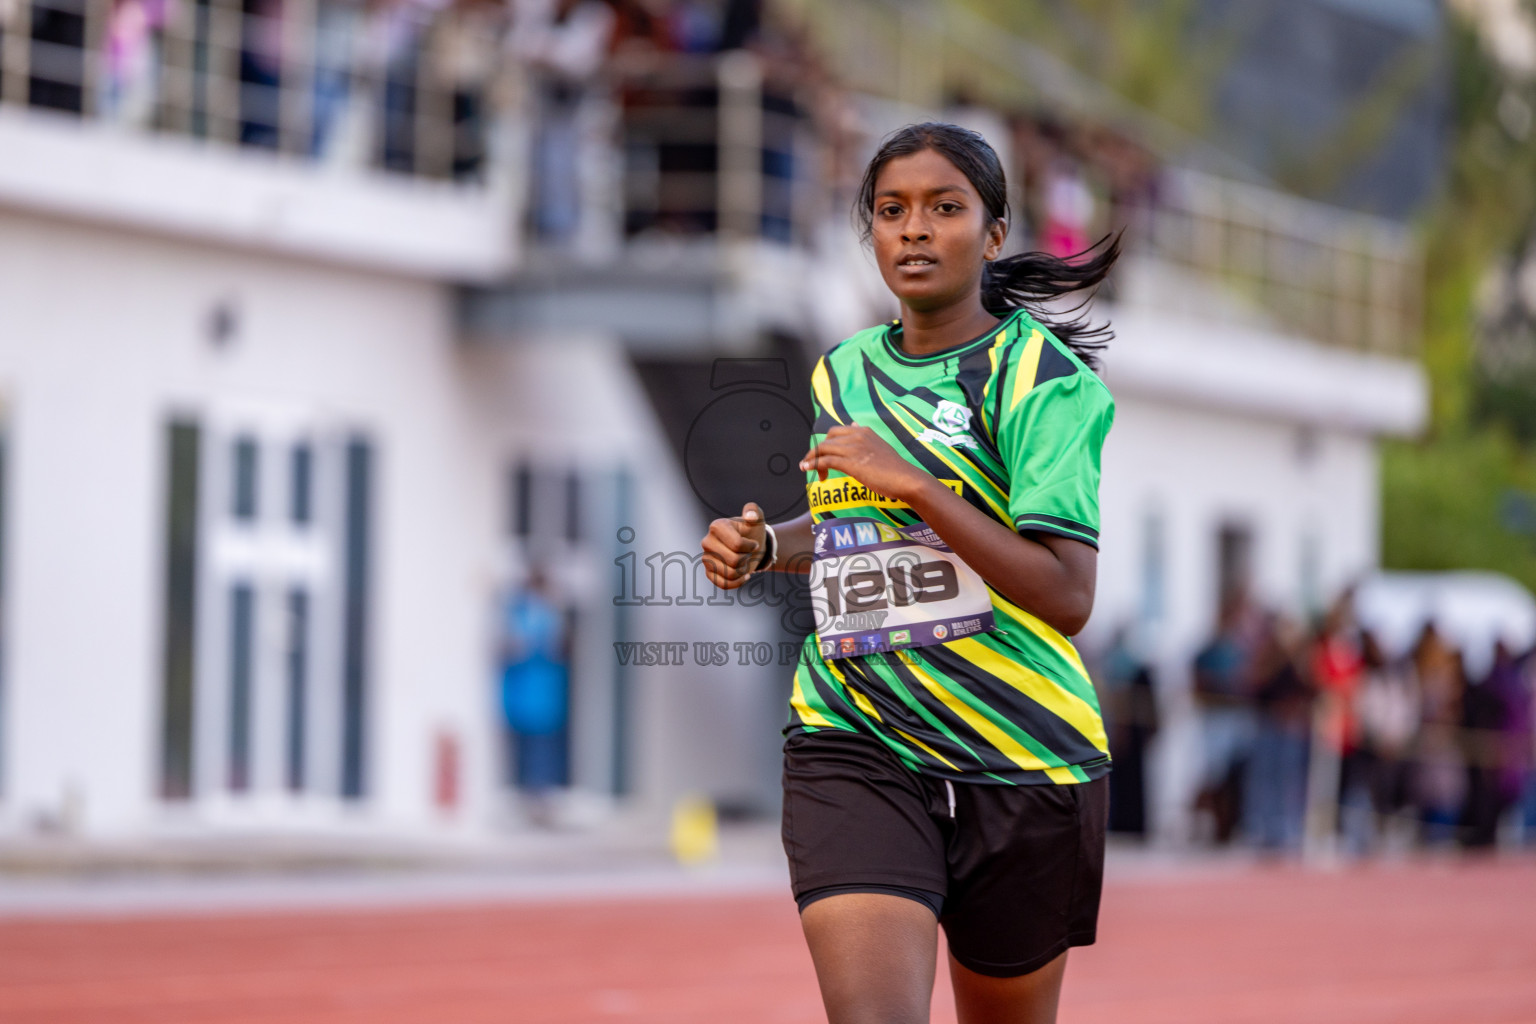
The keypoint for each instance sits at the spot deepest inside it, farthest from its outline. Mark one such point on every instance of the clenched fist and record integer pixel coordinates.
(734, 546)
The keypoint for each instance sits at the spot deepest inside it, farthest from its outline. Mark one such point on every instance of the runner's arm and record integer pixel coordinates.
(735, 544)
(1049, 576)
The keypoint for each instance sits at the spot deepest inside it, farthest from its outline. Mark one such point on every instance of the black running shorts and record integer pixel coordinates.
(1017, 870)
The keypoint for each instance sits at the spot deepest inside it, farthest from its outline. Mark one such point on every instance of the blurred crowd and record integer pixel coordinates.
(1323, 739)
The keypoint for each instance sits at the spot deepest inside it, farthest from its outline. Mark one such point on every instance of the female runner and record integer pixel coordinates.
(945, 759)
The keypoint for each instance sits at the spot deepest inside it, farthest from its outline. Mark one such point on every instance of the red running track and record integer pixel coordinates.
(1430, 943)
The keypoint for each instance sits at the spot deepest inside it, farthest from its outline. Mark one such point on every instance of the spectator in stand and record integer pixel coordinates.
(465, 49)
(565, 42)
(130, 84)
(1439, 775)
(1223, 692)
(1275, 800)
(1069, 210)
(1390, 710)
(336, 128)
(694, 26)
(261, 70)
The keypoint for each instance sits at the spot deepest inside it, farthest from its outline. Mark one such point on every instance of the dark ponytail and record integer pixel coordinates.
(1031, 280)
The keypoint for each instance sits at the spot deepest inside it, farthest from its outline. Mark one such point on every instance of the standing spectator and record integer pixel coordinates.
(1339, 780)
(1496, 714)
(1439, 775)
(1222, 690)
(1275, 800)
(534, 694)
(1390, 711)
(1528, 788)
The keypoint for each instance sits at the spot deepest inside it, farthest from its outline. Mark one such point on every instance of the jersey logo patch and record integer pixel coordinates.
(953, 421)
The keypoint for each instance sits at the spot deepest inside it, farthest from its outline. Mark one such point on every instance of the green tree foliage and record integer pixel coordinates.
(1455, 498)
(1126, 45)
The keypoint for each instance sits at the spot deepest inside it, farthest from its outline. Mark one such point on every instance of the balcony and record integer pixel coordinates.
(374, 136)
(1342, 279)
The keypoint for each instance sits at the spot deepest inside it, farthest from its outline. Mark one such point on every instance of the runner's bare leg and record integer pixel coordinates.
(1028, 999)
(875, 956)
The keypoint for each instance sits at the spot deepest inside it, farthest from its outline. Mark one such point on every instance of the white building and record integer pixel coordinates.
(279, 431)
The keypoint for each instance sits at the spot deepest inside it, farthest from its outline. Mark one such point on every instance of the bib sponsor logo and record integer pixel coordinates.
(940, 631)
(842, 536)
(865, 533)
(900, 636)
(848, 645)
(837, 493)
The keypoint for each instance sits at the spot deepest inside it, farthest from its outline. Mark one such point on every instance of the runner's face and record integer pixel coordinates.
(930, 232)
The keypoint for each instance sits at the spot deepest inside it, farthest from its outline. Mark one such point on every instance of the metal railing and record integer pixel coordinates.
(720, 145)
(1334, 276)
(373, 86)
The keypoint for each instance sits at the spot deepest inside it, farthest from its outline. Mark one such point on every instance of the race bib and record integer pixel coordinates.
(878, 587)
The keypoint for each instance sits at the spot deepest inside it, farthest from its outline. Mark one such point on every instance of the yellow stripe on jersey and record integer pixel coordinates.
(906, 419)
(913, 739)
(808, 714)
(988, 730)
(822, 385)
(1058, 643)
(863, 702)
(1029, 366)
(1069, 707)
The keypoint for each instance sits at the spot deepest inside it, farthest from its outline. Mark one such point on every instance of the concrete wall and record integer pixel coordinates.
(105, 335)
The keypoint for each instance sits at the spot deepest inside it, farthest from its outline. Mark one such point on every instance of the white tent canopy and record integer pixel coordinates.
(1472, 610)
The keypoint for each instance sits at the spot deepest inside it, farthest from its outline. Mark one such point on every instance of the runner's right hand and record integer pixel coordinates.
(733, 546)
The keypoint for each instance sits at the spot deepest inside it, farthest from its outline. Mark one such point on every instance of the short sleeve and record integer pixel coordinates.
(1051, 438)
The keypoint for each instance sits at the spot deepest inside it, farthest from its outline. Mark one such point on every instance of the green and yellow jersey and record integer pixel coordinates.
(911, 645)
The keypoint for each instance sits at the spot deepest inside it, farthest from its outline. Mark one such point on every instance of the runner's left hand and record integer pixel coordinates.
(864, 455)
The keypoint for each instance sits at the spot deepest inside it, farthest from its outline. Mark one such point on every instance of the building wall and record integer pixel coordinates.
(574, 399)
(106, 334)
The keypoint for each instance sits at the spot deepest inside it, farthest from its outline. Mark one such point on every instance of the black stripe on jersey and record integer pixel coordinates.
(836, 390)
(975, 368)
(873, 374)
(1053, 363)
(986, 757)
(1048, 729)
(1005, 370)
(831, 695)
(1023, 520)
(959, 752)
